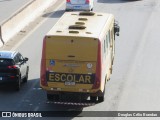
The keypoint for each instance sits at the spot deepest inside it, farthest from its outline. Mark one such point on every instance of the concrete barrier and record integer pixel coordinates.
(21, 18)
(1, 40)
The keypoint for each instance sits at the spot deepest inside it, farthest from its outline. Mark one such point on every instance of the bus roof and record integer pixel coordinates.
(83, 24)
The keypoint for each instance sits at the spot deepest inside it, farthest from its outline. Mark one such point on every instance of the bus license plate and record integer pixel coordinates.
(0, 78)
(70, 83)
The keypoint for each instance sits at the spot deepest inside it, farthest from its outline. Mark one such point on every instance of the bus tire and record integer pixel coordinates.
(56, 97)
(101, 98)
(49, 97)
(93, 98)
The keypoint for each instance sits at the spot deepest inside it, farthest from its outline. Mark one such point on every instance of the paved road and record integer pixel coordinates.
(134, 84)
(8, 7)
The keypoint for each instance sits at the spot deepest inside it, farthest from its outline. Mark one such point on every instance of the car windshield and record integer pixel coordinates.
(6, 62)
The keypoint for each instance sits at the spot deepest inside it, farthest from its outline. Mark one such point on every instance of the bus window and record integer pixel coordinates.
(108, 40)
(104, 46)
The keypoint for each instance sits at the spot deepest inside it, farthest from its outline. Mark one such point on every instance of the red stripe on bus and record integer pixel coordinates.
(98, 68)
(43, 64)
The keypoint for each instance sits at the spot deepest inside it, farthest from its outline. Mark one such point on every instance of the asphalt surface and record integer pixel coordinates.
(8, 7)
(134, 84)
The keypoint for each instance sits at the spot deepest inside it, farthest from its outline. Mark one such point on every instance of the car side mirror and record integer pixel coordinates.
(25, 59)
(116, 28)
(20, 60)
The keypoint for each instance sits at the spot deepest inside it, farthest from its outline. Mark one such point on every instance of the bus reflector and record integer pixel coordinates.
(56, 89)
(83, 90)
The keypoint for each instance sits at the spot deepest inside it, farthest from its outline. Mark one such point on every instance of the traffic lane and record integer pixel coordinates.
(31, 98)
(8, 7)
(143, 79)
(18, 100)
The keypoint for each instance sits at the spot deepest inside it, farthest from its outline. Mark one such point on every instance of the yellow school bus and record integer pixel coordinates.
(78, 54)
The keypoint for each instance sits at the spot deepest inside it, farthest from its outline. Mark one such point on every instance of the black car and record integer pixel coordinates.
(13, 68)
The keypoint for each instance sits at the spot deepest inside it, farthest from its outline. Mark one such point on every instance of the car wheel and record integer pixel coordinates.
(18, 84)
(26, 78)
(100, 98)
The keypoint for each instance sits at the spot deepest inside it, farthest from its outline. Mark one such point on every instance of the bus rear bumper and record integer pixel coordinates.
(98, 93)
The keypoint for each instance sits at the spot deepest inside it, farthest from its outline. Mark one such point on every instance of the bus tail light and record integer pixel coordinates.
(43, 65)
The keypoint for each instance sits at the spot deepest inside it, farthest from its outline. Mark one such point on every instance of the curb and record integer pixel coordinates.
(22, 18)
